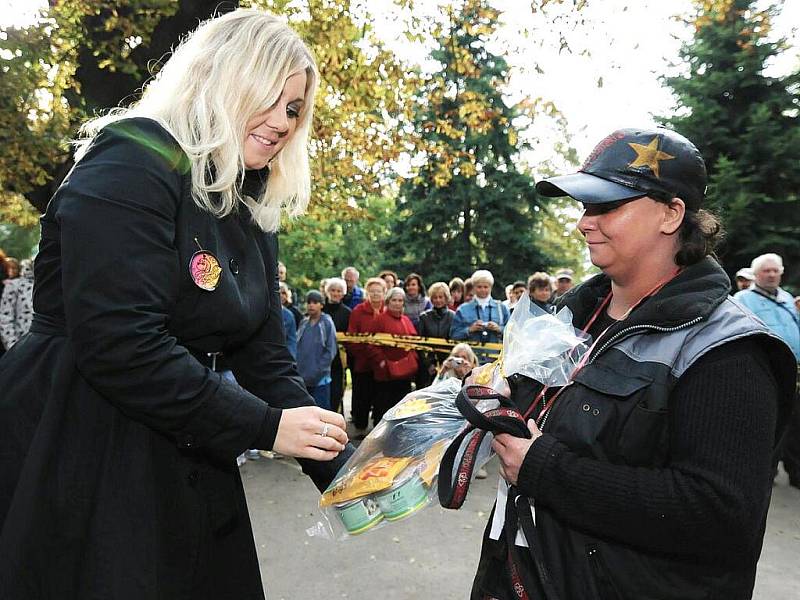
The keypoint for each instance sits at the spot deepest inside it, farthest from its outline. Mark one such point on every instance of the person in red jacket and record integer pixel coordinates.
(362, 320)
(393, 368)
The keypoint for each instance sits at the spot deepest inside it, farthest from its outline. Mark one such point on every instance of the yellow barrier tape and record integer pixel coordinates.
(415, 342)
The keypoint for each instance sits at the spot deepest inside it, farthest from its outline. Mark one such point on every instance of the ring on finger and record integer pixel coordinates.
(325, 428)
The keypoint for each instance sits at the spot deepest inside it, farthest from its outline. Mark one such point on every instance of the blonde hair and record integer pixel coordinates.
(466, 349)
(440, 286)
(222, 74)
(375, 281)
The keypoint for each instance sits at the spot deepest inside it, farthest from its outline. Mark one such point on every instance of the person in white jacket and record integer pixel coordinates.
(16, 306)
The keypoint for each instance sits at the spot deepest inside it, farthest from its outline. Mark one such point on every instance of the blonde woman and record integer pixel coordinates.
(434, 323)
(117, 475)
(459, 363)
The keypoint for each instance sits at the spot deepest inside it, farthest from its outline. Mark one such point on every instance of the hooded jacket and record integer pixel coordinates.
(652, 477)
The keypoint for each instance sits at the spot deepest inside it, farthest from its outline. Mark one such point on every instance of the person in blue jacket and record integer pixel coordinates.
(289, 327)
(775, 306)
(316, 347)
(771, 303)
(482, 319)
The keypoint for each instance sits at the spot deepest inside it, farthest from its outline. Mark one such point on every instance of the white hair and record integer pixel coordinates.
(353, 269)
(222, 74)
(395, 291)
(482, 275)
(335, 282)
(759, 261)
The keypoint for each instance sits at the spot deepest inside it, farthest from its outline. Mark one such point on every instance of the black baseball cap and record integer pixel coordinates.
(635, 162)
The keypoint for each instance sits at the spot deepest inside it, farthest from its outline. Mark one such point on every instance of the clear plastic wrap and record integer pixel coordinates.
(542, 346)
(394, 471)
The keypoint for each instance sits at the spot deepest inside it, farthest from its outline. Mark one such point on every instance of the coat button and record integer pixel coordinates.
(234, 265)
(596, 412)
(186, 441)
(193, 477)
(586, 408)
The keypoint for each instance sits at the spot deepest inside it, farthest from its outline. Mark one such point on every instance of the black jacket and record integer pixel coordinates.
(339, 313)
(118, 476)
(653, 475)
(436, 323)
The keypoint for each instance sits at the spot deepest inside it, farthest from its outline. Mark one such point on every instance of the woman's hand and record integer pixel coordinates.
(476, 326)
(512, 450)
(492, 326)
(310, 432)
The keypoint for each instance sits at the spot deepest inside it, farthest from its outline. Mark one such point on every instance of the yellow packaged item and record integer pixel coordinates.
(377, 474)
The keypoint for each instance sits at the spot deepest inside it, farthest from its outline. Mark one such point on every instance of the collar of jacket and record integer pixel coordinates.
(439, 312)
(693, 294)
(368, 308)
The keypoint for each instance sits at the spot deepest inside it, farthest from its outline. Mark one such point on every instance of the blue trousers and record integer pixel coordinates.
(322, 395)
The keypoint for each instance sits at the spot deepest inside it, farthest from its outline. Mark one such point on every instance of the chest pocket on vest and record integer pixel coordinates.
(634, 429)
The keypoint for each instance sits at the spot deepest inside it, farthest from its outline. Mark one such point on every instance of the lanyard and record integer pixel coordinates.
(549, 404)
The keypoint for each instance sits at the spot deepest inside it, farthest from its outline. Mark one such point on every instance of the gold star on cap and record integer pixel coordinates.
(648, 156)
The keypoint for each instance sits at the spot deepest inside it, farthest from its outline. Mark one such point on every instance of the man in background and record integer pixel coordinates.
(744, 278)
(775, 306)
(563, 279)
(355, 294)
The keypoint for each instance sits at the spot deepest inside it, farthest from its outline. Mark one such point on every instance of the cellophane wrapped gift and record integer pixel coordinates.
(393, 473)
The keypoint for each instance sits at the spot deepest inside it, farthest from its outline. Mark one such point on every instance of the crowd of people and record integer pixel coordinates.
(462, 310)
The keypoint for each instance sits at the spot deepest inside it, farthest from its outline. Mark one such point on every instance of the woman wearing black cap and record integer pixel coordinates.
(649, 476)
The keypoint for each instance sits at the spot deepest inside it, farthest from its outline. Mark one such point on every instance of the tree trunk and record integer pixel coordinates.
(102, 89)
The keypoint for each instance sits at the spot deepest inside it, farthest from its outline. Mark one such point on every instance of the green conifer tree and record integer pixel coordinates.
(467, 206)
(747, 126)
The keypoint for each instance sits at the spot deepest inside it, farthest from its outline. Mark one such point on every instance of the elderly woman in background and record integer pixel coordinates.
(416, 302)
(459, 363)
(394, 368)
(363, 320)
(540, 290)
(335, 289)
(483, 318)
(434, 323)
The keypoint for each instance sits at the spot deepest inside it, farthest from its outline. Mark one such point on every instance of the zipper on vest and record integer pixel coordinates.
(616, 337)
(658, 328)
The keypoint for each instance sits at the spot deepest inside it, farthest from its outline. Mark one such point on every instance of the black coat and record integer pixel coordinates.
(436, 323)
(117, 446)
(339, 313)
